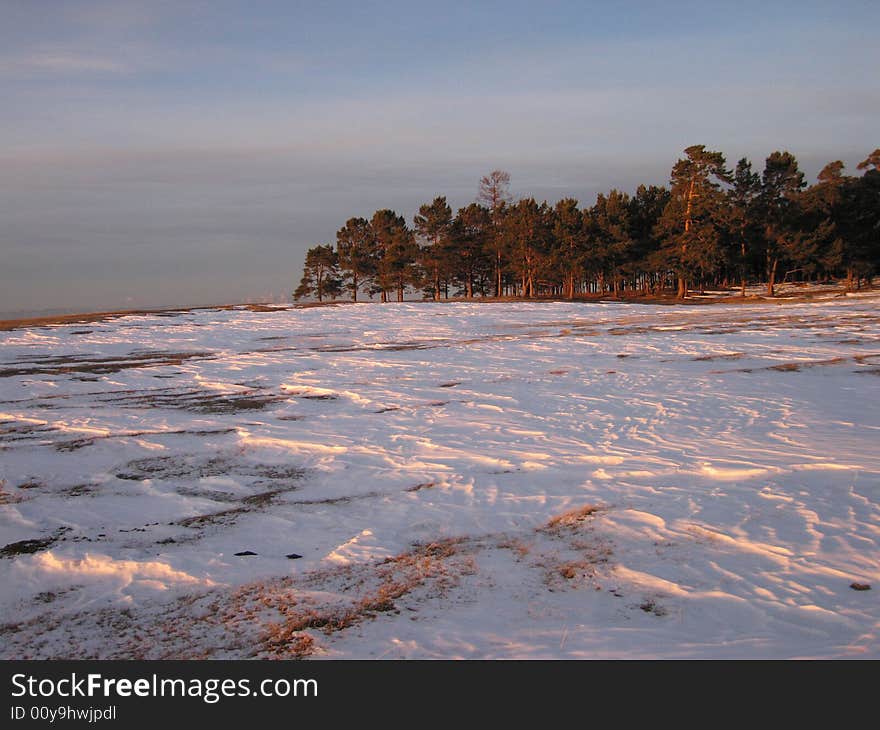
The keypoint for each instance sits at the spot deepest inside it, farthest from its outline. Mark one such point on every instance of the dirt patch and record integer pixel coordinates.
(14, 430)
(198, 467)
(65, 364)
(649, 605)
(347, 499)
(76, 444)
(27, 547)
(419, 487)
(279, 478)
(250, 503)
(7, 497)
(794, 367)
(199, 401)
(269, 480)
(730, 356)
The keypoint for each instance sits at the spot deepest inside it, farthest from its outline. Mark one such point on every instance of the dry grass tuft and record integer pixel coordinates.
(376, 587)
(521, 548)
(571, 518)
(576, 569)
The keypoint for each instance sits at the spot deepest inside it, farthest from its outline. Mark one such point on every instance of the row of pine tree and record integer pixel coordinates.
(711, 227)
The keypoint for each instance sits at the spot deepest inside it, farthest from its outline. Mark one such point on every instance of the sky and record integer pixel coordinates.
(181, 153)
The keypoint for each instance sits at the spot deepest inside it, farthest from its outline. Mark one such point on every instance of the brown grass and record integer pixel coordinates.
(397, 577)
(576, 569)
(521, 548)
(8, 497)
(570, 518)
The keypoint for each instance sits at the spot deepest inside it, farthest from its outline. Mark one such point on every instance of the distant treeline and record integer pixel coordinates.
(711, 227)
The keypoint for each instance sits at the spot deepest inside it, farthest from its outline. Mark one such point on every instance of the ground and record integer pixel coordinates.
(572, 480)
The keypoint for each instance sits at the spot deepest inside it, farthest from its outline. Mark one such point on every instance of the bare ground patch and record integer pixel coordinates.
(726, 356)
(12, 430)
(799, 365)
(34, 545)
(270, 481)
(199, 401)
(64, 364)
(76, 444)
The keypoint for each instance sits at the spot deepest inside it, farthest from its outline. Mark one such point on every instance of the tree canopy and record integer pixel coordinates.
(710, 227)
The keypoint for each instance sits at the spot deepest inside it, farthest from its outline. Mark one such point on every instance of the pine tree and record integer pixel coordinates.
(526, 230)
(494, 192)
(743, 197)
(569, 239)
(858, 246)
(320, 275)
(691, 222)
(356, 247)
(871, 162)
(396, 254)
(780, 208)
(612, 236)
(470, 230)
(646, 209)
(822, 220)
(432, 225)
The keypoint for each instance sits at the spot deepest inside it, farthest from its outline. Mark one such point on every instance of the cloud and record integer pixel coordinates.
(59, 63)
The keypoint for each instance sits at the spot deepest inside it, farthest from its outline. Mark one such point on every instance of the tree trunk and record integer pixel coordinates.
(354, 287)
(682, 288)
(771, 279)
(690, 206)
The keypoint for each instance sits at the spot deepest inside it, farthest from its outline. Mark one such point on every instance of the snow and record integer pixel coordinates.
(718, 467)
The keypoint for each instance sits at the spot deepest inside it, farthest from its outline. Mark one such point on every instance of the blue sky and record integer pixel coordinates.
(189, 152)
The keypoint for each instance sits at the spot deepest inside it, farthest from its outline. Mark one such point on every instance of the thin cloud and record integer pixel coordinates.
(60, 63)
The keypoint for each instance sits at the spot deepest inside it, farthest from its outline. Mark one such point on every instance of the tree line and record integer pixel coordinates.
(711, 227)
